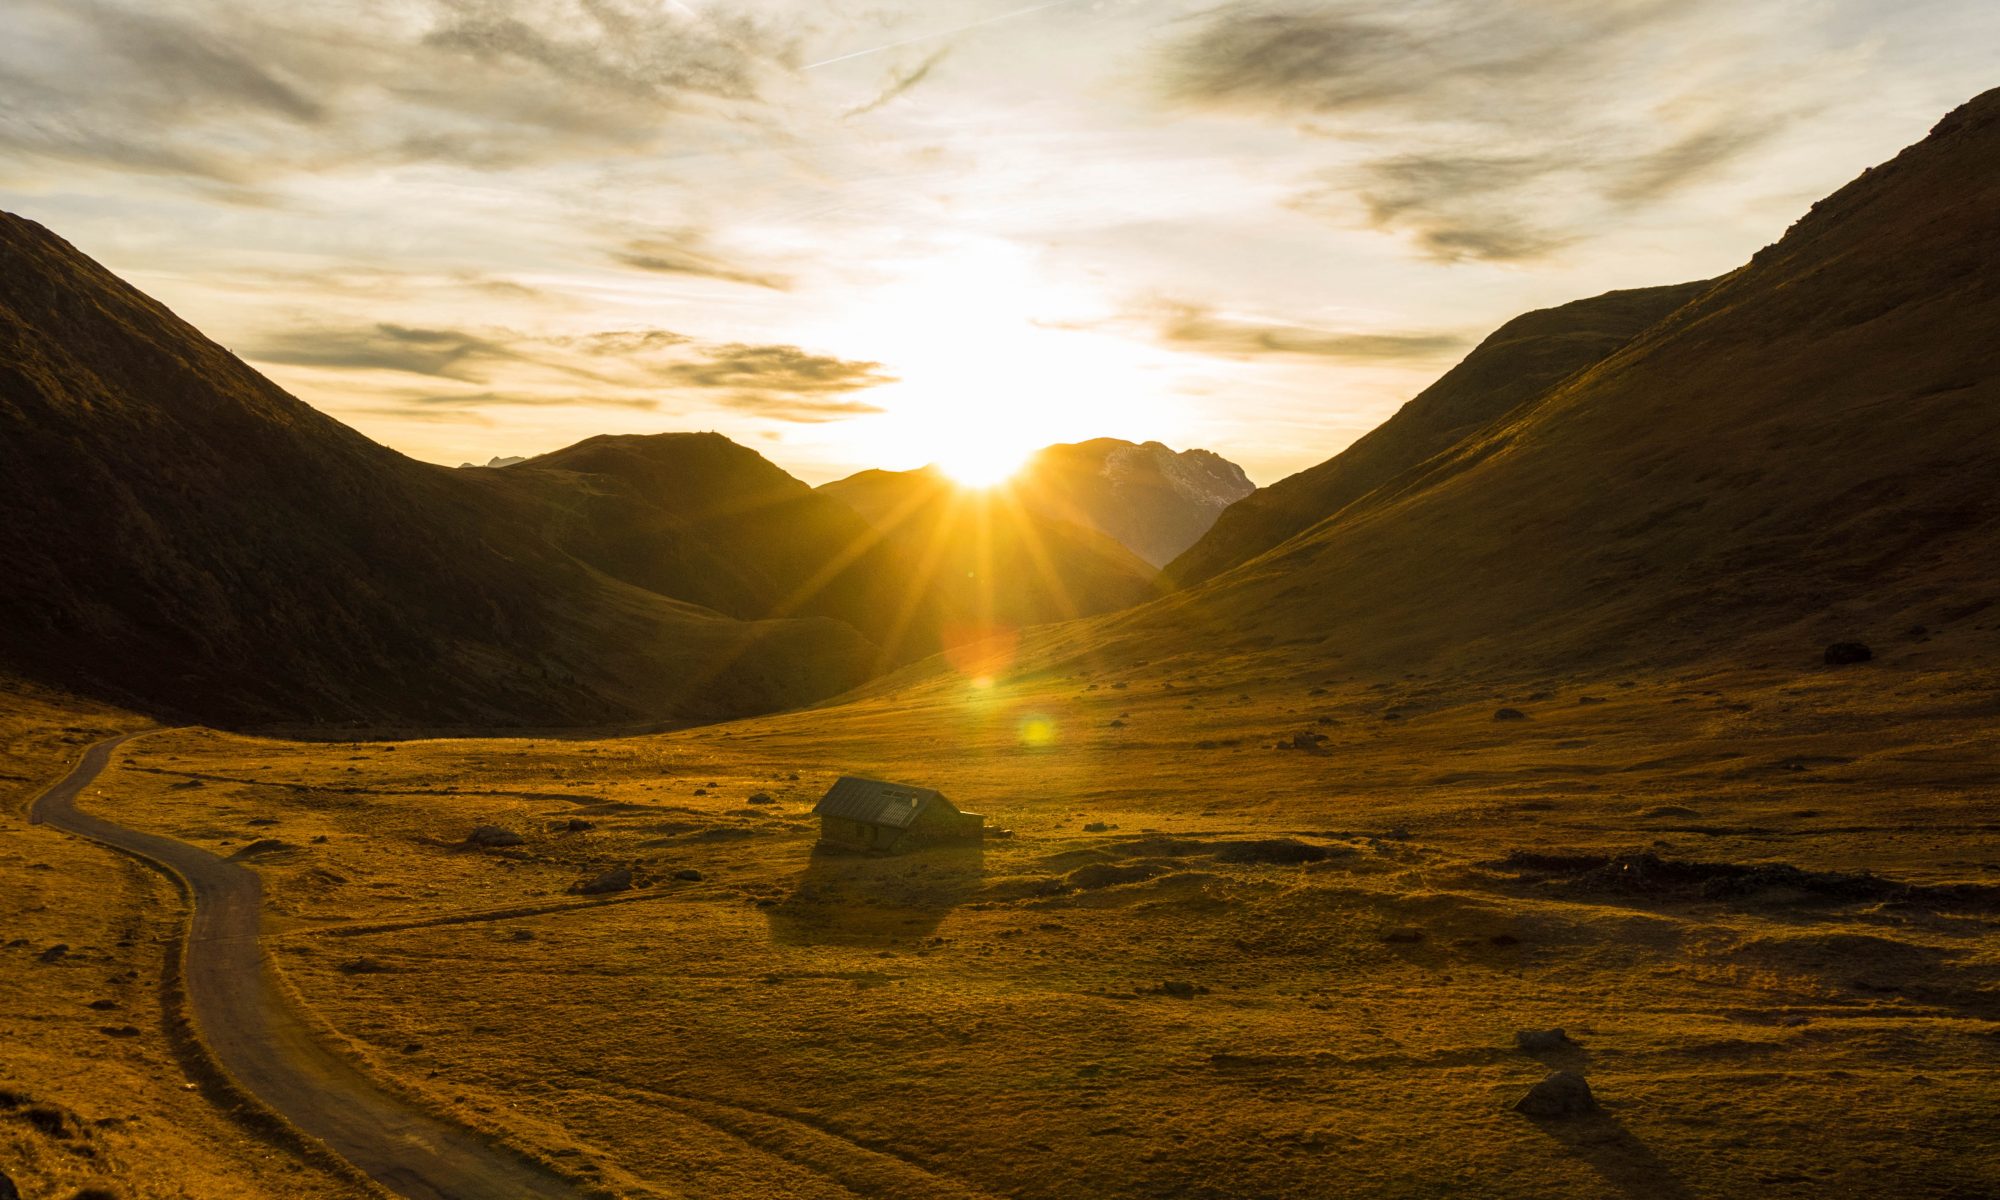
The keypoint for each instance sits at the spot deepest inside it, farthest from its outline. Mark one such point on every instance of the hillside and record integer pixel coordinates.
(696, 517)
(185, 536)
(1151, 500)
(1805, 453)
(1523, 359)
(985, 559)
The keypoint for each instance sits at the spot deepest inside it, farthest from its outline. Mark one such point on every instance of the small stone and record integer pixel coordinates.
(1403, 937)
(1095, 827)
(1509, 714)
(1180, 989)
(1561, 1094)
(55, 953)
(762, 798)
(617, 879)
(689, 874)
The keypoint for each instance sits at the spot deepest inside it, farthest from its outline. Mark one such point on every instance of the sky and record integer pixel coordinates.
(863, 233)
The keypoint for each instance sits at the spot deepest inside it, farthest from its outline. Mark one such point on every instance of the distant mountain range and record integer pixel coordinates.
(1151, 500)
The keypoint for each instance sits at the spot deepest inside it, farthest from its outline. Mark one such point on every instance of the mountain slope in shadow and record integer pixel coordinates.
(1523, 359)
(1804, 453)
(185, 536)
(985, 560)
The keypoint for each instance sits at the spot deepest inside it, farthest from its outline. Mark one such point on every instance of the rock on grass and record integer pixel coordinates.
(617, 879)
(493, 835)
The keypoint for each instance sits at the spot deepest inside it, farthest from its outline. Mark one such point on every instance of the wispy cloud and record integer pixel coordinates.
(235, 92)
(627, 368)
(900, 84)
(687, 252)
(1484, 131)
(492, 399)
(1200, 328)
(782, 369)
(795, 410)
(1194, 327)
(446, 353)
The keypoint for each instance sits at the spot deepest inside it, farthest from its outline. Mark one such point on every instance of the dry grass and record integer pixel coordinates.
(992, 1024)
(91, 1092)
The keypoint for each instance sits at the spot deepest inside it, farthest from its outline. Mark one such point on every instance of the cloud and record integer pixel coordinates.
(1194, 327)
(686, 252)
(237, 92)
(530, 400)
(1487, 131)
(786, 370)
(446, 353)
(900, 85)
(796, 411)
(628, 368)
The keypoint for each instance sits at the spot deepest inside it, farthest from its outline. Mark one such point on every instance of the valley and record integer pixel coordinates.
(1620, 721)
(1266, 969)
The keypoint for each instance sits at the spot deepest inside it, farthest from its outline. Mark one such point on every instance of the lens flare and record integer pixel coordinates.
(1037, 732)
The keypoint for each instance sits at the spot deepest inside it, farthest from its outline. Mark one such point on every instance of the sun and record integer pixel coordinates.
(982, 464)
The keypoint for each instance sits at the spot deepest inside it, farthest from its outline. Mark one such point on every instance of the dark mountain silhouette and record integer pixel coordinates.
(984, 559)
(696, 517)
(1523, 359)
(1149, 499)
(184, 535)
(1803, 454)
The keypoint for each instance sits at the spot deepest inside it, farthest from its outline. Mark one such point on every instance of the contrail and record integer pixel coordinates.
(925, 37)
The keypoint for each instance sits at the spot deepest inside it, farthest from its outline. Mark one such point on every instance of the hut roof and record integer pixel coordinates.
(876, 802)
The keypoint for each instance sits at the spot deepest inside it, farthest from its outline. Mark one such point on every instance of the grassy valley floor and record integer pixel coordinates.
(1272, 972)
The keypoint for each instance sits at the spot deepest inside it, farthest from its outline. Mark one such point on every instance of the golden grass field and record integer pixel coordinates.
(92, 1092)
(996, 1022)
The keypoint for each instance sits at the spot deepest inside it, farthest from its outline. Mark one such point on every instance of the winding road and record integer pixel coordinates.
(266, 1048)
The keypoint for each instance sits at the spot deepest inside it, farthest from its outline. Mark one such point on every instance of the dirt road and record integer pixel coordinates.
(266, 1048)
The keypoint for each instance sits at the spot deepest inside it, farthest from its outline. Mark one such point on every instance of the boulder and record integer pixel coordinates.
(1561, 1094)
(7, 1189)
(1509, 714)
(762, 798)
(492, 835)
(55, 953)
(1842, 654)
(617, 879)
(689, 874)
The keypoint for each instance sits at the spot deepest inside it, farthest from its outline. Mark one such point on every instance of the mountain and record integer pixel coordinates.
(1804, 453)
(184, 535)
(1523, 359)
(496, 461)
(986, 560)
(696, 517)
(1148, 498)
